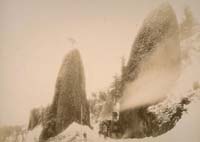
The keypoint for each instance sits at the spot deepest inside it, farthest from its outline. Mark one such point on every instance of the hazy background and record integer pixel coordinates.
(34, 39)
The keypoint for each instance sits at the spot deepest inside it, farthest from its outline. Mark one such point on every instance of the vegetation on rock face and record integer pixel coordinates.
(157, 27)
(70, 103)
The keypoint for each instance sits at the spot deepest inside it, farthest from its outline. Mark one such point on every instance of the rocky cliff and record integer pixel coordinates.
(152, 68)
(69, 102)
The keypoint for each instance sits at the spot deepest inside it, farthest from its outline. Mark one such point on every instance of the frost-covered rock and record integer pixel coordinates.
(167, 113)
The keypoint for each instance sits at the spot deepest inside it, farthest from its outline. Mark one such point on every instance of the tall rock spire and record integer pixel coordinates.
(70, 102)
(159, 27)
(152, 68)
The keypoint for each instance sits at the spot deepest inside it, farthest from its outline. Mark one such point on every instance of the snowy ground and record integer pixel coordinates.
(187, 129)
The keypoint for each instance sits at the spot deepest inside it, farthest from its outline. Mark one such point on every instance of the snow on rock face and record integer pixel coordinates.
(70, 102)
(154, 59)
(159, 31)
(152, 70)
(155, 120)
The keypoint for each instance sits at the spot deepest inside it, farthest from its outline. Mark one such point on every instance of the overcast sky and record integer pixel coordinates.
(34, 39)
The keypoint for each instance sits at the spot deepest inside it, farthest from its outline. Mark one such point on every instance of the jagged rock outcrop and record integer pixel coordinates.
(156, 48)
(163, 116)
(69, 103)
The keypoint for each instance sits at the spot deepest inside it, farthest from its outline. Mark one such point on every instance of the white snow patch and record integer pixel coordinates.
(75, 132)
